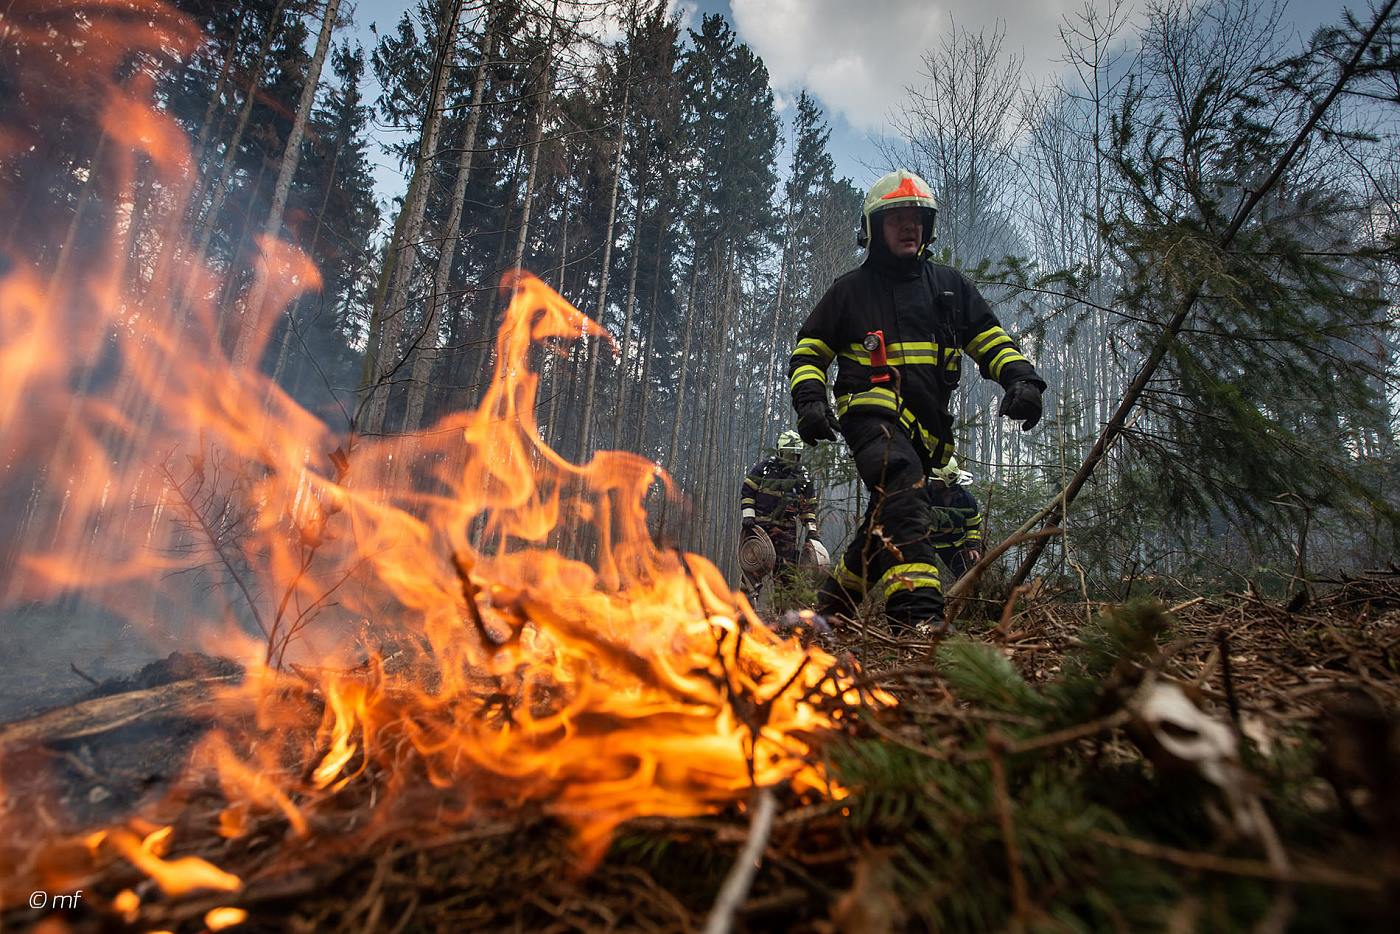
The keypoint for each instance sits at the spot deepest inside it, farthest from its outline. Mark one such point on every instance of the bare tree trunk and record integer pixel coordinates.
(427, 353)
(644, 380)
(712, 459)
(595, 346)
(221, 186)
(624, 360)
(684, 364)
(386, 315)
(478, 360)
(285, 348)
(556, 363)
(527, 202)
(206, 126)
(250, 330)
(777, 316)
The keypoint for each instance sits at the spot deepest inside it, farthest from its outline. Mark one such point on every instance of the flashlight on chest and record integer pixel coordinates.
(874, 344)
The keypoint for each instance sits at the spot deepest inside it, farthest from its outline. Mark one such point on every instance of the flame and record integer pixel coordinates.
(463, 612)
(217, 919)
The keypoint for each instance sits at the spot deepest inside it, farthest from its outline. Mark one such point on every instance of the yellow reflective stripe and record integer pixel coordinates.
(1000, 340)
(980, 344)
(812, 347)
(807, 372)
(885, 400)
(901, 353)
(848, 578)
(871, 398)
(909, 577)
(1009, 355)
(750, 481)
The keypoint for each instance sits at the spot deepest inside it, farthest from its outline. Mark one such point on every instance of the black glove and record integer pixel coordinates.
(749, 522)
(815, 422)
(1022, 402)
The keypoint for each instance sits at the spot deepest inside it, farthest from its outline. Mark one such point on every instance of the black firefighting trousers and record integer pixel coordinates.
(892, 549)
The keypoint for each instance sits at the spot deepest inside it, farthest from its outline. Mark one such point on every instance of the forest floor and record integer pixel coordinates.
(1018, 784)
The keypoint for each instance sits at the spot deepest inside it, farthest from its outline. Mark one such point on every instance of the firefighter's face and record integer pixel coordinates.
(903, 231)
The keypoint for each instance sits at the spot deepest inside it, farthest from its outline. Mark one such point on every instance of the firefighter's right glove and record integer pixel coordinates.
(1022, 403)
(815, 422)
(749, 523)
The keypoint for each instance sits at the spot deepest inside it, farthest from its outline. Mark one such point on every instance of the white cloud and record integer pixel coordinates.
(688, 9)
(857, 58)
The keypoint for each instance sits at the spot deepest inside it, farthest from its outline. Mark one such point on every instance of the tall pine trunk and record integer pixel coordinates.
(644, 379)
(537, 123)
(251, 328)
(595, 346)
(777, 317)
(684, 364)
(624, 364)
(427, 353)
(386, 314)
(209, 219)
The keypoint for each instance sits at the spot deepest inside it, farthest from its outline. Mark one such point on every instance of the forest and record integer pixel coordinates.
(642, 169)
(436, 497)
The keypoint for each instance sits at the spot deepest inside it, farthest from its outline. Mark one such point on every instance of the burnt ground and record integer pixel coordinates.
(1314, 685)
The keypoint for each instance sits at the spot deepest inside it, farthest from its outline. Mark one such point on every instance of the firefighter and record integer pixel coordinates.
(896, 326)
(777, 495)
(959, 547)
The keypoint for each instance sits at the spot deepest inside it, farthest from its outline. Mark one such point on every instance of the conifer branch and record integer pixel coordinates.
(1055, 510)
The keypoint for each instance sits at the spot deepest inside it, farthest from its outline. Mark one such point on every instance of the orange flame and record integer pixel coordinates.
(466, 610)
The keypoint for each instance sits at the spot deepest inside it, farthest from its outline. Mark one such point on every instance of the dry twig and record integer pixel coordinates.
(736, 885)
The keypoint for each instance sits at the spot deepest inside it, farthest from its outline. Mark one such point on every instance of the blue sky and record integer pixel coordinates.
(857, 56)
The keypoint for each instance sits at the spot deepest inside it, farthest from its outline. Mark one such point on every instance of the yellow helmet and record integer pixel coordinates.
(899, 189)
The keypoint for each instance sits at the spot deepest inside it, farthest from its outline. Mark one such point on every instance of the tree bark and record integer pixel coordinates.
(595, 345)
(221, 186)
(777, 316)
(386, 314)
(206, 126)
(644, 380)
(684, 365)
(527, 202)
(620, 392)
(251, 328)
(427, 352)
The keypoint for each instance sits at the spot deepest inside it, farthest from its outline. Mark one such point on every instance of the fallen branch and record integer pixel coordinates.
(103, 714)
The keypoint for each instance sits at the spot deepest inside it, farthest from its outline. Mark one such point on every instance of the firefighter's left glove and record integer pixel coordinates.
(1022, 403)
(815, 422)
(749, 523)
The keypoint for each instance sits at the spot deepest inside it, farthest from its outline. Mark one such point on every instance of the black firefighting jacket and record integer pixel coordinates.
(930, 314)
(778, 491)
(967, 532)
